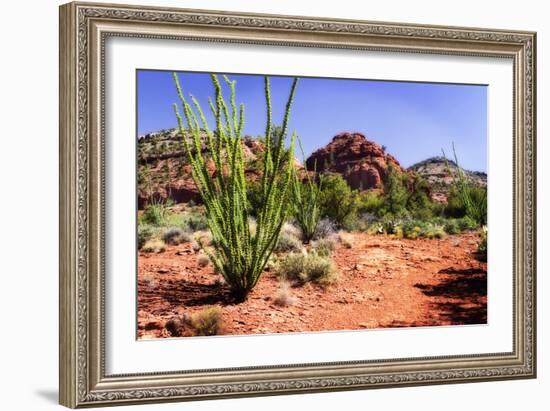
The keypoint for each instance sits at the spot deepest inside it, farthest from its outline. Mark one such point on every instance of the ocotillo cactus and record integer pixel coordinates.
(475, 206)
(240, 255)
(307, 202)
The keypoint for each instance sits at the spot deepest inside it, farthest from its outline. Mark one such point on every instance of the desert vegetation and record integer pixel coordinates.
(235, 235)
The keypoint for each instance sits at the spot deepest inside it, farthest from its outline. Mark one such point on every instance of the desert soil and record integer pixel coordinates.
(383, 282)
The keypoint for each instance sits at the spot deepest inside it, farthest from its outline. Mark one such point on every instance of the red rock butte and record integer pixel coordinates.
(362, 162)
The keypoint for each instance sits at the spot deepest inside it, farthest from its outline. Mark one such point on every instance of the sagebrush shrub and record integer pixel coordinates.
(291, 267)
(325, 246)
(320, 269)
(303, 267)
(288, 242)
(325, 228)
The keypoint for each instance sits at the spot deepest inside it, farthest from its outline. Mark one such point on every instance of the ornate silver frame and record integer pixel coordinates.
(83, 30)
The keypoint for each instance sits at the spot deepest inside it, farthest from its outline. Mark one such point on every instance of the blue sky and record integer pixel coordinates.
(413, 120)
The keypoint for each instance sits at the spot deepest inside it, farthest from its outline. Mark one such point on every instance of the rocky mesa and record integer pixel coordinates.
(362, 162)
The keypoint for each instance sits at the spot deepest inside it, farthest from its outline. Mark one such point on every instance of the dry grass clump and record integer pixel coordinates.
(203, 260)
(203, 237)
(345, 239)
(289, 239)
(284, 296)
(207, 321)
(289, 228)
(304, 267)
(154, 245)
(175, 236)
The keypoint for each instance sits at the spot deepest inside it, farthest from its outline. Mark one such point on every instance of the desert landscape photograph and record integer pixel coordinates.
(282, 204)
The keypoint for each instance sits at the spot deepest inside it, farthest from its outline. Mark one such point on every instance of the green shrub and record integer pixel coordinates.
(454, 207)
(195, 222)
(452, 227)
(239, 256)
(413, 229)
(356, 222)
(395, 193)
(434, 231)
(208, 321)
(473, 199)
(145, 233)
(307, 209)
(306, 202)
(175, 236)
(467, 223)
(338, 201)
(369, 202)
(419, 203)
(255, 197)
(390, 224)
(154, 213)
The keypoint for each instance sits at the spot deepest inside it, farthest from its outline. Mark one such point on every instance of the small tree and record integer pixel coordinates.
(240, 253)
(338, 201)
(419, 201)
(395, 193)
(307, 205)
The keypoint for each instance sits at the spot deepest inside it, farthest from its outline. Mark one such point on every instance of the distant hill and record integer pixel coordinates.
(163, 170)
(441, 174)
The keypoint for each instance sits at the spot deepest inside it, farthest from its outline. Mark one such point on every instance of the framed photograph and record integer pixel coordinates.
(258, 204)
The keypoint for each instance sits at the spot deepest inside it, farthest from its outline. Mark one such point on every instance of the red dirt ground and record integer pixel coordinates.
(383, 282)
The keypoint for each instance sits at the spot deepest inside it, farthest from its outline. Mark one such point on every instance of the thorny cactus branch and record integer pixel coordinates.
(239, 255)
